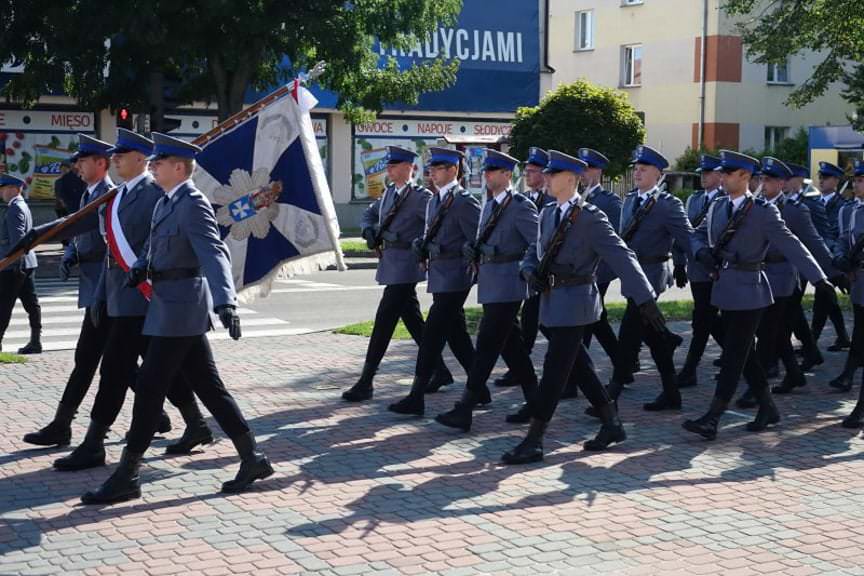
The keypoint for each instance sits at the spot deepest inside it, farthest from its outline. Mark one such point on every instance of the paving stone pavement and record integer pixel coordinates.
(359, 490)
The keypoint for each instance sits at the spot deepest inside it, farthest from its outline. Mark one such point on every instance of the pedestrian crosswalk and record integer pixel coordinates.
(61, 320)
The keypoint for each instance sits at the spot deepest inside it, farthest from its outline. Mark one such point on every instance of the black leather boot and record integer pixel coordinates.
(414, 403)
(506, 380)
(768, 413)
(790, 383)
(521, 416)
(614, 389)
(611, 432)
(89, 454)
(687, 376)
(196, 433)
(34, 346)
(531, 448)
(122, 485)
(843, 382)
(253, 465)
(812, 358)
(58, 432)
(362, 389)
(856, 417)
(164, 425)
(669, 399)
(706, 426)
(440, 378)
(461, 415)
(747, 400)
(840, 343)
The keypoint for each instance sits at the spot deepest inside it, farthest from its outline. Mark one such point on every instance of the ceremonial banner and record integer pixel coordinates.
(266, 181)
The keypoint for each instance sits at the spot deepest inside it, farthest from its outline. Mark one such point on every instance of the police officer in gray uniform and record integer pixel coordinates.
(87, 252)
(190, 270)
(826, 305)
(706, 318)
(573, 237)
(651, 220)
(849, 259)
(535, 180)
(610, 205)
(16, 281)
(389, 226)
(451, 220)
(732, 243)
(773, 335)
(508, 227)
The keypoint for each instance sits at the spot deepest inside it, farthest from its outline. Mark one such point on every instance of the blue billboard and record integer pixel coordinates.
(497, 44)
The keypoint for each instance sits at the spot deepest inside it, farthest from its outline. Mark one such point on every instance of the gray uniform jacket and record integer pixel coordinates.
(694, 206)
(184, 235)
(782, 275)
(843, 217)
(398, 264)
(666, 223)
(589, 239)
(16, 223)
(448, 271)
(516, 231)
(742, 283)
(820, 218)
(88, 249)
(610, 204)
(853, 233)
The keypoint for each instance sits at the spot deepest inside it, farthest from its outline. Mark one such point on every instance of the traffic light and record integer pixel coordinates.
(124, 119)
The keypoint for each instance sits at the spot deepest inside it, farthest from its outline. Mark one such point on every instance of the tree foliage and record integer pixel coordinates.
(774, 29)
(579, 115)
(216, 50)
(791, 149)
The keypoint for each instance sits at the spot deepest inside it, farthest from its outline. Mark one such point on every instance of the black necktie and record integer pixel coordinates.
(729, 210)
(557, 216)
(637, 203)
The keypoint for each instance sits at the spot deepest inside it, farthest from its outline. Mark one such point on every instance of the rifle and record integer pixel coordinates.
(435, 226)
(378, 239)
(704, 211)
(643, 211)
(551, 250)
(484, 234)
(729, 232)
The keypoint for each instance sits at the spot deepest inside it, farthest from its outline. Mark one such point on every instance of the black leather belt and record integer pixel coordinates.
(397, 245)
(745, 266)
(653, 259)
(562, 280)
(500, 258)
(446, 256)
(173, 274)
(91, 258)
(775, 258)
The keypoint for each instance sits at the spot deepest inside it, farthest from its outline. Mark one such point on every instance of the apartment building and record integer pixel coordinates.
(683, 65)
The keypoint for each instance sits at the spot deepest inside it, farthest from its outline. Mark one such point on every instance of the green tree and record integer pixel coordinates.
(216, 50)
(579, 115)
(834, 29)
(689, 160)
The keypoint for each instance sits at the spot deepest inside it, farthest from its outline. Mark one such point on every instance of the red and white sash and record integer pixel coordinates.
(120, 248)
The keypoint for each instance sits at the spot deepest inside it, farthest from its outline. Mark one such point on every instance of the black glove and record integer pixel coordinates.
(652, 315)
(135, 276)
(680, 275)
(420, 249)
(843, 264)
(825, 287)
(369, 234)
(842, 283)
(96, 311)
(65, 269)
(705, 258)
(230, 320)
(470, 252)
(534, 282)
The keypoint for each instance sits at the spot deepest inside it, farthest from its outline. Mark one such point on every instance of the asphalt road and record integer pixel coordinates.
(327, 300)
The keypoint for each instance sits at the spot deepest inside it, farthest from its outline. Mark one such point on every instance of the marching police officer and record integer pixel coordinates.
(849, 260)
(731, 242)
(189, 267)
(610, 205)
(825, 305)
(651, 220)
(535, 180)
(573, 236)
(773, 334)
(451, 220)
(87, 252)
(508, 227)
(706, 318)
(390, 225)
(16, 281)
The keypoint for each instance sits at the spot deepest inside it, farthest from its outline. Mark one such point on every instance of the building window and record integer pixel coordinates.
(774, 135)
(585, 30)
(778, 73)
(631, 72)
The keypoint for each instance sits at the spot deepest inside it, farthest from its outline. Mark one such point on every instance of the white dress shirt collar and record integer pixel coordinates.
(173, 191)
(130, 184)
(442, 192)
